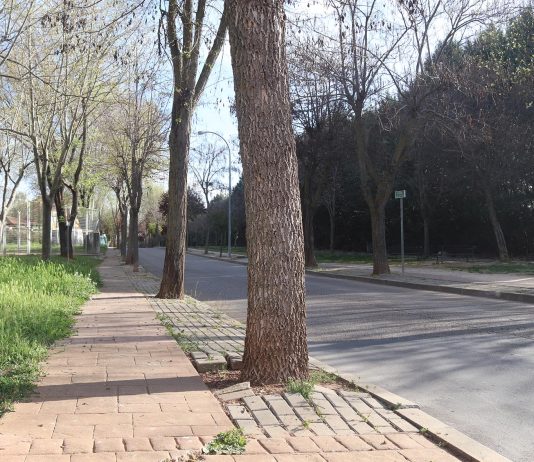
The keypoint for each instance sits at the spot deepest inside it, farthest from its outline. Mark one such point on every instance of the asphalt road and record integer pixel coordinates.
(467, 361)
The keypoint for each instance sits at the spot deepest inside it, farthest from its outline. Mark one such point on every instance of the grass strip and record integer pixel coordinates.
(38, 301)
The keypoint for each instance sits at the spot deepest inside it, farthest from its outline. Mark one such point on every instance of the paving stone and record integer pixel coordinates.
(299, 458)
(42, 446)
(328, 444)
(265, 417)
(353, 443)
(239, 412)
(276, 445)
(323, 407)
(290, 421)
(427, 454)
(249, 427)
(336, 423)
(199, 355)
(236, 395)
(307, 414)
(404, 441)
(73, 445)
(253, 447)
(375, 420)
(254, 403)
(379, 442)
(375, 404)
(321, 389)
(275, 431)
(280, 407)
(235, 361)
(303, 444)
(295, 399)
(216, 363)
(189, 442)
(237, 387)
(360, 427)
(336, 400)
(137, 444)
(403, 425)
(321, 429)
(109, 445)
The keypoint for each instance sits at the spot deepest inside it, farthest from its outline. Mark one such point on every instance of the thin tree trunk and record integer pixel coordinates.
(332, 216)
(172, 282)
(275, 343)
(46, 245)
(207, 242)
(496, 225)
(132, 257)
(378, 229)
(124, 232)
(62, 222)
(426, 237)
(309, 236)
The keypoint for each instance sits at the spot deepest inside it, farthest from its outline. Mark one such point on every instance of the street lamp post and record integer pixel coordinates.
(205, 132)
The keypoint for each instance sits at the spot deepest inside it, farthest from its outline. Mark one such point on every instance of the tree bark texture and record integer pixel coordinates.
(309, 236)
(426, 237)
(62, 222)
(124, 231)
(187, 90)
(378, 229)
(496, 225)
(46, 246)
(275, 343)
(172, 282)
(132, 257)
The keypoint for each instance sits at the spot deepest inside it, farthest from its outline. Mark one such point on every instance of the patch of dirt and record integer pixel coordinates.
(222, 379)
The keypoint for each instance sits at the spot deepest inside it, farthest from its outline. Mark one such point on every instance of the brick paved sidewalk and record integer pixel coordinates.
(122, 390)
(119, 390)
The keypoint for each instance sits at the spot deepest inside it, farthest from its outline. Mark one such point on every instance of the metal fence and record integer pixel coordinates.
(21, 234)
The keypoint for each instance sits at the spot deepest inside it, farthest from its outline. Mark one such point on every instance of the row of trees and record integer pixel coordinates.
(379, 94)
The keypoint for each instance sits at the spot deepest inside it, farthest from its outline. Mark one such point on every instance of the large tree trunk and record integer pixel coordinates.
(275, 343)
(132, 257)
(378, 229)
(172, 282)
(46, 244)
(496, 225)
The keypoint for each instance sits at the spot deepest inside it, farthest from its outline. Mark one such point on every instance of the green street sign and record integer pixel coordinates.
(400, 194)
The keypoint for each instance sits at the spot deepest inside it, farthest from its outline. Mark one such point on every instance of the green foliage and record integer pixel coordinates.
(321, 376)
(38, 301)
(230, 442)
(304, 387)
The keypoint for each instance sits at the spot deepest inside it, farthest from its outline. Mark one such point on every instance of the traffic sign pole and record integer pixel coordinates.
(401, 195)
(402, 233)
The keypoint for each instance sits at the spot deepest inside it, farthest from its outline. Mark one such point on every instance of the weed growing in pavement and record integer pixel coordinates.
(183, 340)
(230, 442)
(38, 301)
(423, 430)
(306, 424)
(321, 376)
(303, 387)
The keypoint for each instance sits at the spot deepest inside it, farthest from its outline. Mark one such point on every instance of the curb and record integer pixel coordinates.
(494, 294)
(455, 441)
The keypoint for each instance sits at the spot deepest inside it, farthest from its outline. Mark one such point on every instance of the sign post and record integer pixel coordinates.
(401, 195)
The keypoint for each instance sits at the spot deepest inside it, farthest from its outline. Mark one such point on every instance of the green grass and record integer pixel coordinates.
(38, 301)
(229, 442)
(498, 268)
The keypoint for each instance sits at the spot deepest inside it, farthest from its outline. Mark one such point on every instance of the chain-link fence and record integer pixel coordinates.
(21, 232)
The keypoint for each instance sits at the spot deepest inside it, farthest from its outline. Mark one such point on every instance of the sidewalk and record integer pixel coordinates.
(513, 287)
(121, 389)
